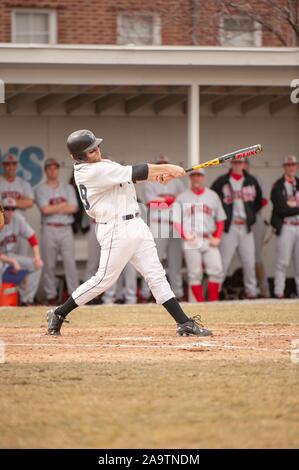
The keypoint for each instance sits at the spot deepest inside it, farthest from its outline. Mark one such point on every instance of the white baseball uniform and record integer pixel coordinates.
(238, 238)
(57, 237)
(287, 246)
(259, 232)
(108, 195)
(200, 212)
(160, 222)
(9, 237)
(17, 189)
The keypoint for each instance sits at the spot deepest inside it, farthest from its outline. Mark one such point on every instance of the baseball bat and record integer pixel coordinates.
(242, 153)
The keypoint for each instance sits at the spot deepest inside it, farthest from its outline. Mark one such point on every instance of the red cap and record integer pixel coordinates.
(51, 161)
(10, 158)
(290, 159)
(162, 159)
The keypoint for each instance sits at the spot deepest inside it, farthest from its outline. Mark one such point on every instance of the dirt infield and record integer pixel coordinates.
(119, 377)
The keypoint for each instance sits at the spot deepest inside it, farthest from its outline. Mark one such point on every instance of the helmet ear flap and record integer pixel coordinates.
(80, 158)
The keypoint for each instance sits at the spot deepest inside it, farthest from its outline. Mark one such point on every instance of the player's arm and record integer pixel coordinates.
(24, 203)
(151, 172)
(280, 205)
(11, 261)
(52, 208)
(38, 263)
(70, 206)
(27, 200)
(2, 219)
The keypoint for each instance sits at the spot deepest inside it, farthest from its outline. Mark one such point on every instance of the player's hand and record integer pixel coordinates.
(61, 206)
(191, 239)
(175, 171)
(38, 262)
(164, 178)
(15, 265)
(214, 241)
(292, 203)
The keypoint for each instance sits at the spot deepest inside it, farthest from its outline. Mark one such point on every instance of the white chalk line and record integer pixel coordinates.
(199, 344)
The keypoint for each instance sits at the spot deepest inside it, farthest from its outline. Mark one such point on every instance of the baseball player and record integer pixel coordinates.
(241, 197)
(109, 196)
(259, 232)
(57, 203)
(12, 186)
(17, 188)
(159, 200)
(16, 227)
(202, 226)
(285, 221)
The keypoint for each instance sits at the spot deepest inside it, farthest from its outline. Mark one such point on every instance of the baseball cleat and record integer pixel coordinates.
(54, 322)
(193, 327)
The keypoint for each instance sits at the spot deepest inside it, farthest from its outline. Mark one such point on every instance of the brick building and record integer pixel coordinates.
(166, 22)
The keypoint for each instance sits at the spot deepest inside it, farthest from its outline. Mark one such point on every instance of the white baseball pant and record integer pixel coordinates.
(287, 245)
(122, 242)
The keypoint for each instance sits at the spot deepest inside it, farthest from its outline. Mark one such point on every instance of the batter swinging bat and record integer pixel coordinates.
(242, 153)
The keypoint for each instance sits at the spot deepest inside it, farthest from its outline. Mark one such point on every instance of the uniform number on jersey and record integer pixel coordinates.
(83, 195)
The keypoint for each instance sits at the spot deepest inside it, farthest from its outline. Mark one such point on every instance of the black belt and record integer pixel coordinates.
(130, 216)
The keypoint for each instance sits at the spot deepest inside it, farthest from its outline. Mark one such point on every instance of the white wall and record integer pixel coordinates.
(141, 137)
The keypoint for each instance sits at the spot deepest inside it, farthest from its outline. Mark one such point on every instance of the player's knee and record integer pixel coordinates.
(281, 266)
(216, 274)
(195, 278)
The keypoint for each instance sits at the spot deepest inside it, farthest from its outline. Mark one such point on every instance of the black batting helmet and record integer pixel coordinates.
(80, 142)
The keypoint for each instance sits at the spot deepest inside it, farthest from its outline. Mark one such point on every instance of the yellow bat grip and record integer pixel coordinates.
(213, 162)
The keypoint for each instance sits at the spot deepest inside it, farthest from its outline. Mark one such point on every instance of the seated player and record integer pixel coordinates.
(16, 227)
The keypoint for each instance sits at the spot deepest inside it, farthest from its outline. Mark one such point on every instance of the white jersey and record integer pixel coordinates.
(106, 189)
(12, 232)
(238, 204)
(16, 190)
(47, 195)
(200, 212)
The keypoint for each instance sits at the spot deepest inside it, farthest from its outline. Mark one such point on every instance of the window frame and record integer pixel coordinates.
(156, 18)
(257, 33)
(52, 15)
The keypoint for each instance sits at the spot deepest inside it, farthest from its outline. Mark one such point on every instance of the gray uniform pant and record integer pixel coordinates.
(287, 245)
(239, 239)
(29, 286)
(93, 254)
(259, 232)
(210, 257)
(58, 241)
(125, 287)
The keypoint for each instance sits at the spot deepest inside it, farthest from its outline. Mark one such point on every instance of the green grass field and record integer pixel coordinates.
(120, 378)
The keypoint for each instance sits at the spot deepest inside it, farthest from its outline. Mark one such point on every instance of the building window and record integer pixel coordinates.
(34, 26)
(138, 28)
(240, 31)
